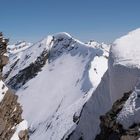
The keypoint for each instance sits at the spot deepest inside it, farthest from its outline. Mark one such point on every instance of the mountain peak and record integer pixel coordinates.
(58, 72)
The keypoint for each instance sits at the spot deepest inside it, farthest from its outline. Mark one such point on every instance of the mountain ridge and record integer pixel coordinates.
(67, 60)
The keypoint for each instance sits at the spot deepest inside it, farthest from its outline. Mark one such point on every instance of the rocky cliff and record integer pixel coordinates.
(10, 109)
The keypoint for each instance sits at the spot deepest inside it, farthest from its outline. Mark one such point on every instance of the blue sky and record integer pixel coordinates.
(101, 20)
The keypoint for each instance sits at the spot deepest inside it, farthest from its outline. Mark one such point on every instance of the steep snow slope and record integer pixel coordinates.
(122, 76)
(124, 64)
(96, 106)
(61, 83)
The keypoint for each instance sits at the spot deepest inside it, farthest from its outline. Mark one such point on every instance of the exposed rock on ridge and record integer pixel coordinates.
(10, 109)
(111, 129)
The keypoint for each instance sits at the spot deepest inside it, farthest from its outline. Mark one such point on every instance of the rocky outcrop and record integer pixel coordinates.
(3, 57)
(111, 129)
(10, 109)
(23, 135)
(10, 115)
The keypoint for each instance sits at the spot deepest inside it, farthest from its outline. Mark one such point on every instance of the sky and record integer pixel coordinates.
(100, 20)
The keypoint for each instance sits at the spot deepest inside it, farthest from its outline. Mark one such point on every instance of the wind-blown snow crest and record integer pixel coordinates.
(124, 64)
(127, 50)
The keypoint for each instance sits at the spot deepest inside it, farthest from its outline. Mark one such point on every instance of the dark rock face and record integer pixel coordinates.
(29, 72)
(111, 130)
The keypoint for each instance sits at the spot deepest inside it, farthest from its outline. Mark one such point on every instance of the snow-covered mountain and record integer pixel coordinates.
(54, 78)
(121, 77)
(71, 90)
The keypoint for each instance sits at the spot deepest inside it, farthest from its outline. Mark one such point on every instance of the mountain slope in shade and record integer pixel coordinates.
(121, 77)
(63, 74)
